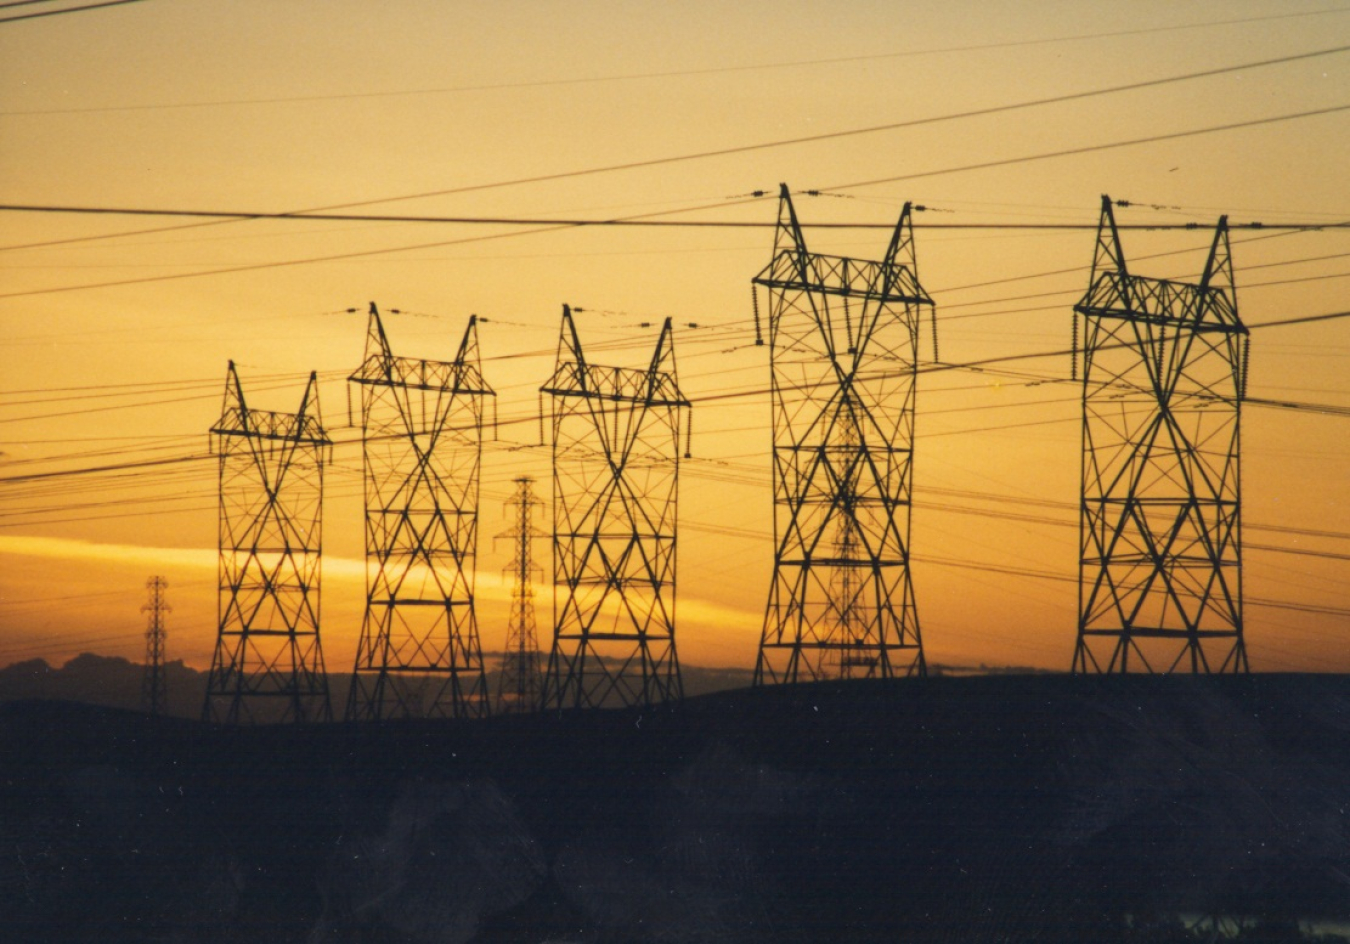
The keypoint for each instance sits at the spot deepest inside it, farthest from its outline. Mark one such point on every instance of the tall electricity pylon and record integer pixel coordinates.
(843, 347)
(1160, 564)
(616, 461)
(520, 684)
(268, 662)
(419, 654)
(155, 691)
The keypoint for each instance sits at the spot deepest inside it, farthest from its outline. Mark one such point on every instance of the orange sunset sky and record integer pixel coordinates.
(115, 330)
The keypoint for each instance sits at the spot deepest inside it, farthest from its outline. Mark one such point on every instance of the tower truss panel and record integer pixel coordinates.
(268, 662)
(843, 347)
(616, 434)
(419, 654)
(520, 684)
(1160, 564)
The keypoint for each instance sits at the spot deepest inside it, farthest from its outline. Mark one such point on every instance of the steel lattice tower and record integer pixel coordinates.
(155, 692)
(616, 461)
(520, 684)
(419, 654)
(268, 662)
(843, 345)
(1160, 564)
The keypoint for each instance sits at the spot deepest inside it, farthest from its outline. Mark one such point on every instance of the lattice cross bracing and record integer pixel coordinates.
(616, 434)
(419, 653)
(1160, 564)
(268, 661)
(844, 340)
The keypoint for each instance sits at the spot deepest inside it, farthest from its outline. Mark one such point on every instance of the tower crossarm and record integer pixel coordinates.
(1161, 301)
(264, 424)
(794, 270)
(454, 377)
(620, 384)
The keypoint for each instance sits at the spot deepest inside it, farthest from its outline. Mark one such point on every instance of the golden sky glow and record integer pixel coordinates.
(113, 349)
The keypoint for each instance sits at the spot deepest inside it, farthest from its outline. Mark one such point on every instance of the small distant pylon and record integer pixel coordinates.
(268, 662)
(155, 691)
(616, 461)
(419, 655)
(1160, 523)
(520, 684)
(844, 361)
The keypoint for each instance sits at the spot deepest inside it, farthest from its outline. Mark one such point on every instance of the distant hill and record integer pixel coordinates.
(102, 680)
(118, 683)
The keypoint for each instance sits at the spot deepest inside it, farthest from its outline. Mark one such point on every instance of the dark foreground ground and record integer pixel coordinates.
(979, 809)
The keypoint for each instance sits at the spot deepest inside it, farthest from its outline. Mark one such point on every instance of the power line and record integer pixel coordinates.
(135, 387)
(554, 227)
(122, 406)
(1307, 319)
(1064, 578)
(94, 470)
(739, 479)
(64, 598)
(941, 367)
(1092, 148)
(1060, 293)
(675, 73)
(742, 149)
(1079, 269)
(1327, 409)
(1300, 551)
(87, 6)
(892, 126)
(242, 215)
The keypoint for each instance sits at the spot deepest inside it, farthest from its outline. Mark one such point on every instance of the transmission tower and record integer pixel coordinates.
(419, 654)
(616, 434)
(268, 662)
(520, 685)
(843, 346)
(1160, 564)
(155, 692)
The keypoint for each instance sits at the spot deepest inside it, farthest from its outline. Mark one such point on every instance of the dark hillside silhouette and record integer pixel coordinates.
(114, 682)
(1046, 808)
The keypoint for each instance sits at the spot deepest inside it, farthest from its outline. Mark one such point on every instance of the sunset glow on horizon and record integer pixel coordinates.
(115, 329)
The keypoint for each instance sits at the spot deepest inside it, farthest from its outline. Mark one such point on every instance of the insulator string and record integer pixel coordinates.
(1073, 351)
(1246, 359)
(848, 326)
(754, 298)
